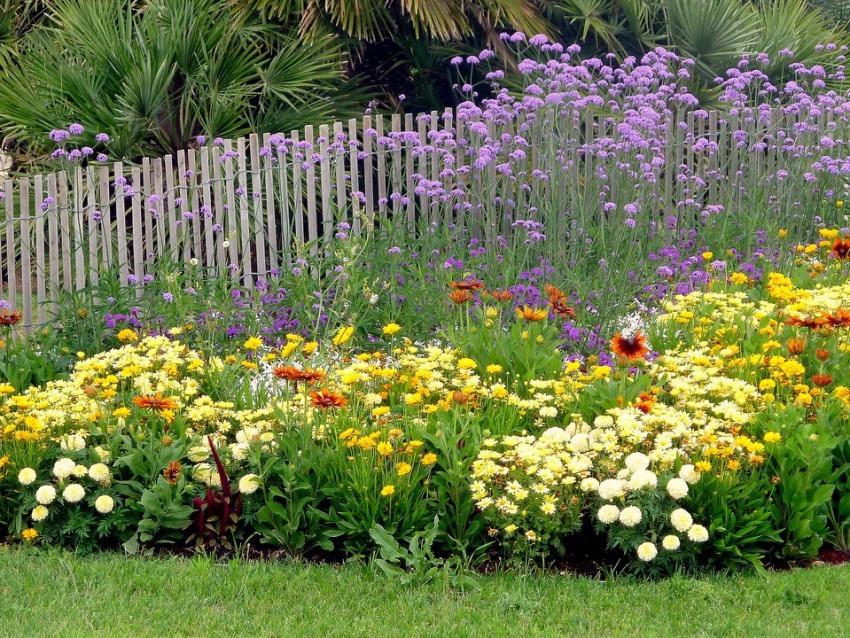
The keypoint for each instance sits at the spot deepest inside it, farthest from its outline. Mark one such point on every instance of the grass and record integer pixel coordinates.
(59, 594)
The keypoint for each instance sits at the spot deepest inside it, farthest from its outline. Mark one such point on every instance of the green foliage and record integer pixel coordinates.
(417, 564)
(741, 524)
(154, 79)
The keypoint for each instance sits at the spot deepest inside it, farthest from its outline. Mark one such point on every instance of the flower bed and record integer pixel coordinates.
(712, 434)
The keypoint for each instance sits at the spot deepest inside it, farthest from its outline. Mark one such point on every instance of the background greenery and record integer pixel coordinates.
(155, 74)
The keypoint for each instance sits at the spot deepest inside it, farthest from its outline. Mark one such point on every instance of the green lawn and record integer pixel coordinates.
(62, 595)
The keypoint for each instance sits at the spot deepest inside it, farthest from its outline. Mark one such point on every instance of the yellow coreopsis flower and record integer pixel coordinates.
(253, 343)
(343, 335)
(391, 328)
(126, 335)
(388, 491)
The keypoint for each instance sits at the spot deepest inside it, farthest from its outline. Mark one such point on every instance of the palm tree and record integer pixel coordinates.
(155, 75)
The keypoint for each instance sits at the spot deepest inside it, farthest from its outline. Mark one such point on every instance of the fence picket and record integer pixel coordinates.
(38, 222)
(26, 254)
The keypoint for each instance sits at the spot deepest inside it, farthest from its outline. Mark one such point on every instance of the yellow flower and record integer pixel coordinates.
(708, 255)
(309, 348)
(385, 448)
(127, 335)
(403, 468)
(702, 466)
(466, 363)
(253, 343)
(388, 491)
(429, 459)
(6, 389)
(29, 534)
(772, 437)
(739, 278)
(122, 412)
(343, 335)
(391, 328)
(494, 368)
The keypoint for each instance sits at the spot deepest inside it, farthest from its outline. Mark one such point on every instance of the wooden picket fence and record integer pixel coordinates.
(246, 208)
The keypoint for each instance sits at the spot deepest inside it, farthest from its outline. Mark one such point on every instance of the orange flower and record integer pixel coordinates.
(822, 354)
(460, 296)
(8, 318)
(802, 322)
(460, 397)
(532, 314)
(326, 399)
(553, 293)
(795, 345)
(838, 319)
(467, 284)
(172, 472)
(633, 348)
(841, 248)
(291, 373)
(501, 295)
(560, 308)
(821, 380)
(645, 402)
(156, 402)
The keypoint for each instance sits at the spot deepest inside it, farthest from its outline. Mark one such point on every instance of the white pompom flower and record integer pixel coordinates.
(647, 551)
(698, 534)
(104, 504)
(45, 495)
(637, 461)
(681, 520)
(26, 476)
(608, 514)
(39, 513)
(689, 474)
(671, 542)
(73, 493)
(631, 516)
(249, 484)
(677, 488)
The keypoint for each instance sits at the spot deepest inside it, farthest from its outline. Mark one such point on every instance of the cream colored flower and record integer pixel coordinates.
(637, 461)
(63, 468)
(671, 542)
(100, 473)
(73, 493)
(677, 488)
(681, 520)
(608, 514)
(249, 484)
(104, 504)
(39, 513)
(631, 516)
(698, 534)
(45, 495)
(26, 476)
(647, 551)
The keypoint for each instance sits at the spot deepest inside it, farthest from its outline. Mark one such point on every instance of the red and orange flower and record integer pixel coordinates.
(630, 348)
(155, 402)
(460, 296)
(10, 318)
(841, 248)
(468, 284)
(325, 399)
(294, 374)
